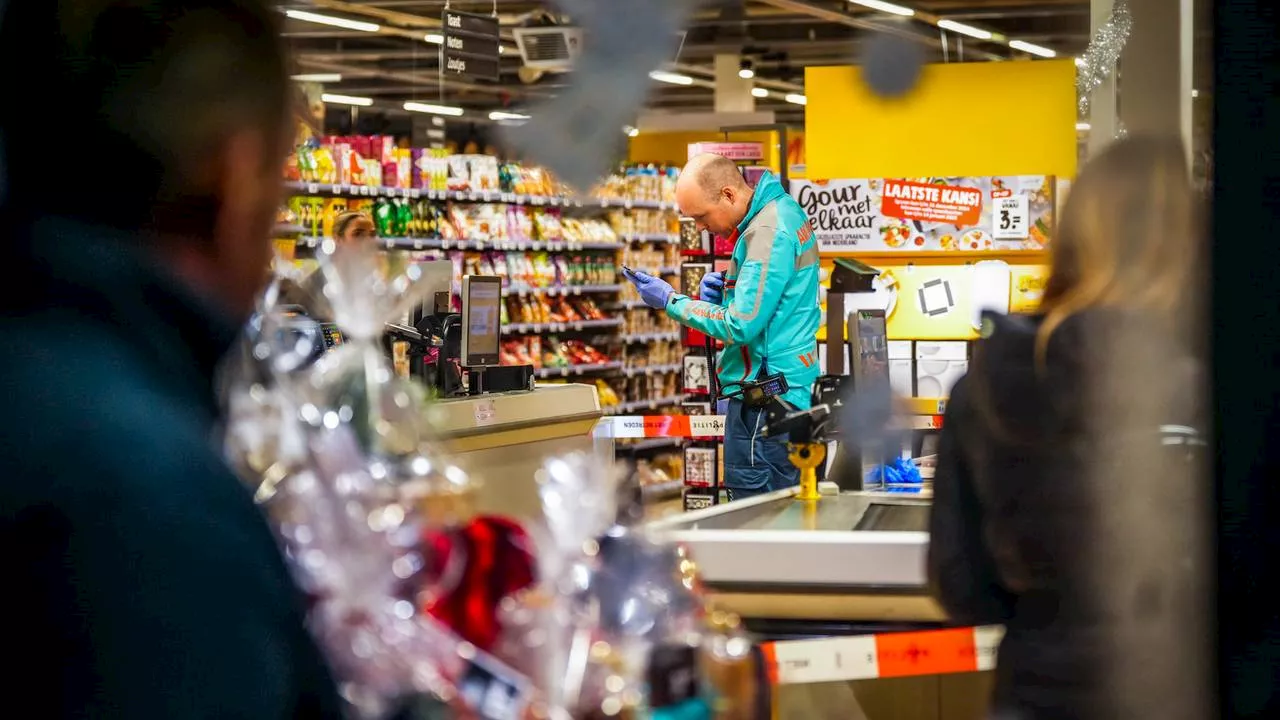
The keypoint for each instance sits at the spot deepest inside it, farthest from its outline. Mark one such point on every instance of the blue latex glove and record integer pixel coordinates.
(711, 289)
(654, 291)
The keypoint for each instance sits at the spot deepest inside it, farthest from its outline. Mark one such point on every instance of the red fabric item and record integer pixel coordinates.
(496, 562)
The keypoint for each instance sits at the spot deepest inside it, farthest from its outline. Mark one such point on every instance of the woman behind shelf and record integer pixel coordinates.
(1067, 495)
(349, 229)
(353, 227)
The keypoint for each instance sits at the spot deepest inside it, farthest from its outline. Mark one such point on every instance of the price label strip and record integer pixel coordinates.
(867, 657)
(661, 426)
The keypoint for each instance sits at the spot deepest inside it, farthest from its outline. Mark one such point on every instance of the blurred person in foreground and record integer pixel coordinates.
(1066, 492)
(140, 579)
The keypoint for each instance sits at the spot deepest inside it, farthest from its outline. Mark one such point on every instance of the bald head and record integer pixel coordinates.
(712, 191)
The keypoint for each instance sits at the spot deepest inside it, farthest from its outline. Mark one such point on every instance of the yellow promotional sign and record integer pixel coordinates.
(962, 119)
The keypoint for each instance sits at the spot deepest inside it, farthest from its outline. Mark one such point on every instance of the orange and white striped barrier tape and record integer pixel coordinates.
(867, 657)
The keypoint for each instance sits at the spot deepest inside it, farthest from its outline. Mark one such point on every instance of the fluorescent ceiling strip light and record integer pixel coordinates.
(673, 78)
(963, 29)
(1027, 47)
(501, 115)
(746, 73)
(797, 99)
(433, 109)
(1082, 126)
(318, 77)
(346, 100)
(334, 21)
(759, 92)
(434, 38)
(885, 7)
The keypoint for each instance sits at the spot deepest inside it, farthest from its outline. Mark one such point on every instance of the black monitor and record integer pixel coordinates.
(481, 320)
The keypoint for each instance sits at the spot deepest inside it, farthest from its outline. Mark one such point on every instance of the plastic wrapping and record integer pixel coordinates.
(336, 449)
(413, 593)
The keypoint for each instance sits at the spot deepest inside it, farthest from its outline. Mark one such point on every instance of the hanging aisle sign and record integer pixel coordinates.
(471, 48)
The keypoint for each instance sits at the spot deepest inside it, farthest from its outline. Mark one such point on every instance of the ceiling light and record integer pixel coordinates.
(759, 92)
(433, 109)
(797, 99)
(673, 78)
(501, 115)
(1083, 126)
(1027, 47)
(318, 77)
(434, 38)
(885, 7)
(346, 100)
(745, 71)
(963, 29)
(334, 21)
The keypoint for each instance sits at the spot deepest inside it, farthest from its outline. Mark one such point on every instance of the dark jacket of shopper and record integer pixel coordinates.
(140, 580)
(1050, 484)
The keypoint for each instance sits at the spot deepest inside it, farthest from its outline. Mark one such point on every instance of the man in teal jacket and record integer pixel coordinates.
(764, 308)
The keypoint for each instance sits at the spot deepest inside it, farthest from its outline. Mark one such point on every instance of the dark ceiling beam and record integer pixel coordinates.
(859, 21)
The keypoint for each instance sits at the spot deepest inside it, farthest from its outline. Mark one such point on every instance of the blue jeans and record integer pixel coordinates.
(753, 464)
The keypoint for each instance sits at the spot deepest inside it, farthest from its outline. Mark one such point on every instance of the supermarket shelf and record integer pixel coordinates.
(551, 327)
(562, 290)
(394, 243)
(650, 337)
(576, 370)
(670, 238)
(358, 191)
(287, 229)
(628, 305)
(637, 405)
(661, 491)
(653, 369)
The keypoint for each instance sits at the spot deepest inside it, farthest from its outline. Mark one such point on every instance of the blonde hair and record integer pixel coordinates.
(1127, 238)
(344, 220)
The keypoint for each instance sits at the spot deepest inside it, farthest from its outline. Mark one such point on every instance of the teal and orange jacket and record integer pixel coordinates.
(769, 313)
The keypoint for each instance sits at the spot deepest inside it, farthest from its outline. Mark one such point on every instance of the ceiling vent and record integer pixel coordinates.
(551, 49)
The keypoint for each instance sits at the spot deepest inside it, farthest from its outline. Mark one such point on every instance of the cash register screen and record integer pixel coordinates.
(481, 320)
(869, 350)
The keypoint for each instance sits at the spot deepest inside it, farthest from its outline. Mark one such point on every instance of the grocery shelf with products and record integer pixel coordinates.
(567, 311)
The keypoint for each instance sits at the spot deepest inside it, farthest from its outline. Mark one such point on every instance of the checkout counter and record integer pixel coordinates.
(838, 561)
(847, 564)
(511, 434)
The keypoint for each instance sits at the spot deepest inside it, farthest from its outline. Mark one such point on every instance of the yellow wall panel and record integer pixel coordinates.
(672, 148)
(963, 119)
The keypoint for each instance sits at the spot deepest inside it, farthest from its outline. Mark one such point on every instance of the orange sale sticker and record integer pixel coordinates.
(928, 202)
